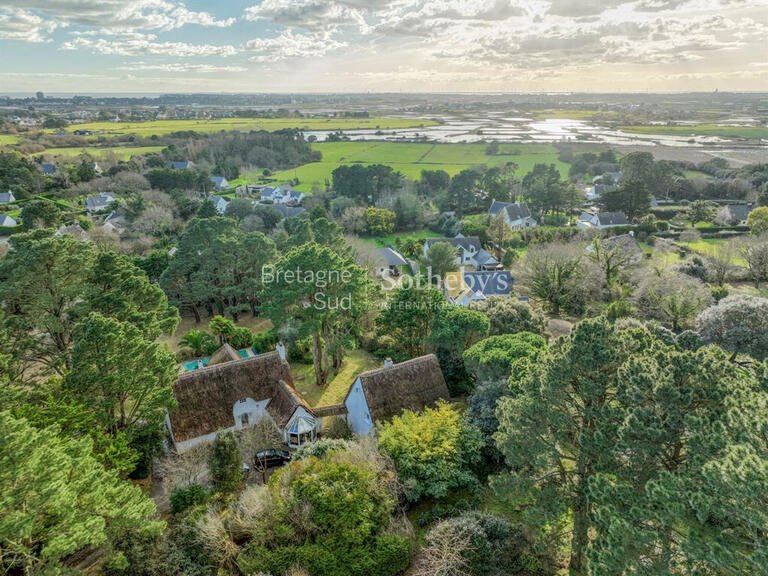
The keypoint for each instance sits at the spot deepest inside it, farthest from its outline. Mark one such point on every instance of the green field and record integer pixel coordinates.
(702, 130)
(120, 152)
(160, 127)
(8, 139)
(411, 158)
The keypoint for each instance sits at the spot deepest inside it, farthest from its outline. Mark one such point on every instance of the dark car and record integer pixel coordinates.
(271, 458)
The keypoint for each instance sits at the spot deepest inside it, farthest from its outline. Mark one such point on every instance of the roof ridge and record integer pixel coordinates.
(398, 365)
(264, 356)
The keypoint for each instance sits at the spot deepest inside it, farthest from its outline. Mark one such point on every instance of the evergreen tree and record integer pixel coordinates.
(225, 463)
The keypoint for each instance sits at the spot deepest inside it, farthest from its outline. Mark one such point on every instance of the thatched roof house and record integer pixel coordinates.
(380, 394)
(231, 393)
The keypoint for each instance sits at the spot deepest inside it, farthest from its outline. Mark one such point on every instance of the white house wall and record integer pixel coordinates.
(358, 415)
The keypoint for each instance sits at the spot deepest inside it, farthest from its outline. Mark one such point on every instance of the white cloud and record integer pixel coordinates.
(18, 24)
(123, 14)
(138, 44)
(289, 45)
(182, 67)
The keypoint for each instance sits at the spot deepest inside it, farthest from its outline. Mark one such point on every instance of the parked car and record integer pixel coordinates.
(271, 458)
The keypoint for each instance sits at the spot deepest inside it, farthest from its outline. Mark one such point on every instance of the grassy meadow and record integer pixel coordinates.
(411, 158)
(8, 139)
(161, 127)
(120, 152)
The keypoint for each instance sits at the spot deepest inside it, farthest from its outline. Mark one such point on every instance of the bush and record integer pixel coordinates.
(264, 341)
(618, 309)
(242, 338)
(225, 463)
(185, 497)
(338, 429)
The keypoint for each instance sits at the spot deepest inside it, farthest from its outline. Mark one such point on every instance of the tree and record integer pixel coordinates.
(454, 330)
(499, 231)
(239, 208)
(440, 259)
(223, 328)
(611, 260)
(43, 280)
(493, 358)
(549, 434)
(225, 463)
(757, 220)
(737, 324)
(434, 451)
(40, 214)
(699, 211)
(755, 252)
(721, 262)
(407, 318)
(379, 221)
(508, 316)
(554, 273)
(263, 435)
(409, 212)
(637, 166)
(322, 293)
(126, 379)
(632, 198)
(199, 341)
(57, 499)
(673, 299)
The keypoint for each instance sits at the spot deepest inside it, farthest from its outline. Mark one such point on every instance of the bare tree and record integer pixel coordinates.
(443, 552)
(263, 435)
(721, 263)
(755, 252)
(190, 467)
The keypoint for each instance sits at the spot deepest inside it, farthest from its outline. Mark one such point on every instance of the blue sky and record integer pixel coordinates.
(382, 45)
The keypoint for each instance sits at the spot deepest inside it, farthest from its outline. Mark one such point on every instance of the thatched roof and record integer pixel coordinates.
(332, 410)
(410, 385)
(205, 397)
(224, 354)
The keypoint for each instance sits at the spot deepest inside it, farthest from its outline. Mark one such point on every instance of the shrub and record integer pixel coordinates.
(225, 463)
(264, 341)
(242, 338)
(434, 451)
(183, 498)
(338, 429)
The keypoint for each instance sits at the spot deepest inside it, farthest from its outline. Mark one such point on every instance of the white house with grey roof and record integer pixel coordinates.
(469, 252)
(7, 197)
(219, 203)
(99, 202)
(220, 183)
(281, 195)
(734, 214)
(7, 222)
(516, 214)
(601, 220)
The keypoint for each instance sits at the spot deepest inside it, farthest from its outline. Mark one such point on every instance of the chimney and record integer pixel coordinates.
(388, 362)
(280, 347)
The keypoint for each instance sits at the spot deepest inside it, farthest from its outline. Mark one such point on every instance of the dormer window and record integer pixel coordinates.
(244, 419)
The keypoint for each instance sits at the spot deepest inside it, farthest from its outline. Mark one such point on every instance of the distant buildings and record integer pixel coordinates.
(7, 222)
(182, 165)
(219, 203)
(281, 195)
(220, 183)
(99, 202)
(734, 214)
(7, 197)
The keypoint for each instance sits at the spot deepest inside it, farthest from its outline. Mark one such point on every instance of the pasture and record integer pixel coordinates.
(411, 158)
(161, 127)
(8, 139)
(118, 152)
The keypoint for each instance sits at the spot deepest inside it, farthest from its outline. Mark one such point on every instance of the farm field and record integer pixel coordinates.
(120, 152)
(160, 127)
(8, 139)
(411, 158)
(702, 130)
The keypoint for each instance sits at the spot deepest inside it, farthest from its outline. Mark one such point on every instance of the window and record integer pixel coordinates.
(244, 419)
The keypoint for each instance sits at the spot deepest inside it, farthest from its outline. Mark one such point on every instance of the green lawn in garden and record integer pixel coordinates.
(411, 158)
(119, 152)
(160, 127)
(355, 362)
(8, 139)
(725, 131)
(381, 241)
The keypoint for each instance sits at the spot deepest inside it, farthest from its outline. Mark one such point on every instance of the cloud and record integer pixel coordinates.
(289, 45)
(18, 24)
(138, 44)
(182, 67)
(123, 14)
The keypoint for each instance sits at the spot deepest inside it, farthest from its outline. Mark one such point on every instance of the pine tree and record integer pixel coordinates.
(225, 463)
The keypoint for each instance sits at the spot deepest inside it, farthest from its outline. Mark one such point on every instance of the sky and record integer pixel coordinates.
(153, 46)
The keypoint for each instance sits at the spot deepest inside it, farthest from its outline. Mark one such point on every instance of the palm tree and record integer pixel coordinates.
(198, 340)
(222, 327)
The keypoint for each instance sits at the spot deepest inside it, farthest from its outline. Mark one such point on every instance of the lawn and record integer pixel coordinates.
(160, 127)
(725, 131)
(381, 241)
(355, 362)
(120, 152)
(411, 158)
(8, 139)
